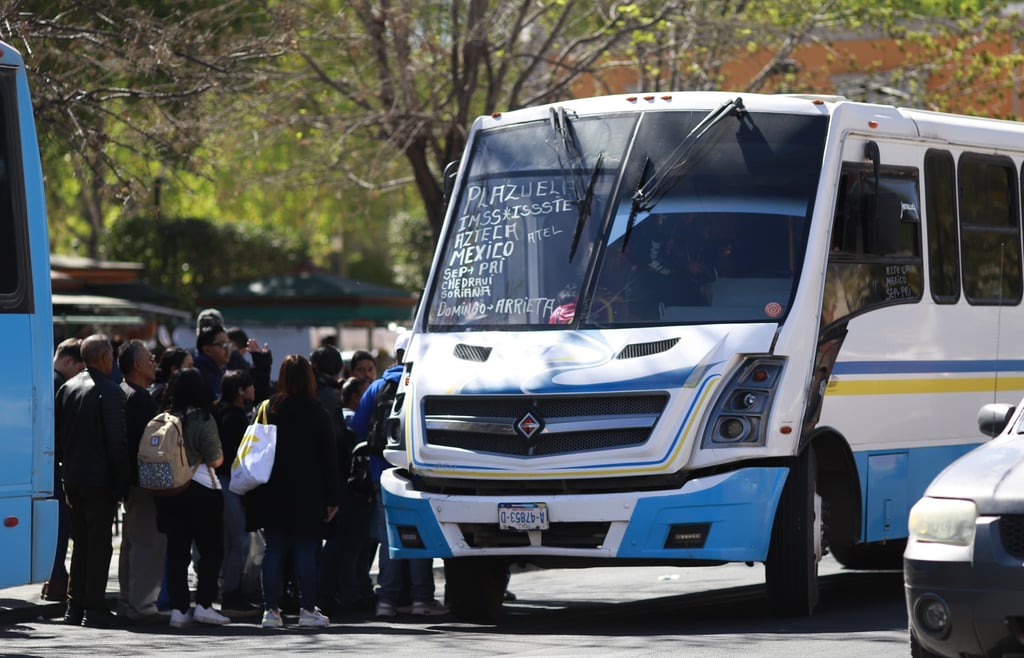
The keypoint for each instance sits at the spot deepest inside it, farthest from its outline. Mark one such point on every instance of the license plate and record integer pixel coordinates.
(523, 516)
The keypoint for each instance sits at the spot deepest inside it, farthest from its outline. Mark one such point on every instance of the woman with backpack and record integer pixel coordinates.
(197, 513)
(302, 494)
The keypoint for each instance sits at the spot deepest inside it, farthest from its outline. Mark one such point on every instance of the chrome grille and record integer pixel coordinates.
(1011, 532)
(571, 423)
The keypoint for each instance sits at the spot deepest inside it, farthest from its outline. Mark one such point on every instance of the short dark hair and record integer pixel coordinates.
(233, 382)
(327, 360)
(206, 336)
(171, 359)
(353, 387)
(129, 353)
(69, 347)
(360, 355)
(238, 336)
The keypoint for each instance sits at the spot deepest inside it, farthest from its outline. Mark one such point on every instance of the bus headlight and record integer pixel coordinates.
(739, 416)
(943, 521)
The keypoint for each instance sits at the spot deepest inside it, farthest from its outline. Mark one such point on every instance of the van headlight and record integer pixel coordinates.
(740, 415)
(943, 521)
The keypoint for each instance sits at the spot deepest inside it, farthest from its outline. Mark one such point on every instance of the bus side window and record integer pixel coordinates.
(10, 285)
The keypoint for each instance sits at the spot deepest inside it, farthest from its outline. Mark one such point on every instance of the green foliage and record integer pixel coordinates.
(187, 256)
(412, 247)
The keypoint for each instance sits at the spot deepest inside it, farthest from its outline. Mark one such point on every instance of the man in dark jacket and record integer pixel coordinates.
(90, 432)
(67, 362)
(213, 350)
(140, 566)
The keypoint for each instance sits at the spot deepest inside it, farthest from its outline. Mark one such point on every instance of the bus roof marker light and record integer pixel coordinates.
(10, 521)
(496, 115)
(872, 124)
(818, 101)
(631, 99)
(666, 98)
(648, 98)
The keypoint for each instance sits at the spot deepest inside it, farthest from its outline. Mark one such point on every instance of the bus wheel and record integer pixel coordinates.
(871, 556)
(475, 588)
(791, 570)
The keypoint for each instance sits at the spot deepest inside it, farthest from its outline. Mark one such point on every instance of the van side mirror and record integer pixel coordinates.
(451, 170)
(993, 417)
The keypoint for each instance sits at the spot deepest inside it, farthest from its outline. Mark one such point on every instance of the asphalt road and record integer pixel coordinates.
(717, 611)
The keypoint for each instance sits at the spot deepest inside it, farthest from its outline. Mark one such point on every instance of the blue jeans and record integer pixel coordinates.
(236, 539)
(303, 552)
(400, 581)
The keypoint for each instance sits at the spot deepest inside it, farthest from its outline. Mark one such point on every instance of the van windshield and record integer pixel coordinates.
(722, 242)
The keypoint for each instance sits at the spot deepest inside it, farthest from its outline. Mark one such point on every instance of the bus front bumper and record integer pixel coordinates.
(721, 518)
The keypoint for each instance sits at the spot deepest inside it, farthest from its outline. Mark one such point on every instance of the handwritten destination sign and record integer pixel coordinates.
(502, 224)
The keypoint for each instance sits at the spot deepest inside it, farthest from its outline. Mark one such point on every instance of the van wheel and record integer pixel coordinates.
(475, 588)
(791, 569)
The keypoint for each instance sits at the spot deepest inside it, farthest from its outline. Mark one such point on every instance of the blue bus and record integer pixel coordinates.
(28, 515)
(696, 328)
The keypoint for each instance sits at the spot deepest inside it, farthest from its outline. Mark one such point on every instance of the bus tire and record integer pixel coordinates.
(475, 588)
(791, 569)
(873, 557)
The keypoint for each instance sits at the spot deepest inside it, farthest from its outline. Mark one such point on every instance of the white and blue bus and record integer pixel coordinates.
(698, 328)
(28, 515)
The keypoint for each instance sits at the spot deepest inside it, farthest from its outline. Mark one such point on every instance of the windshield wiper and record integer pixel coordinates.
(635, 207)
(572, 167)
(584, 207)
(651, 191)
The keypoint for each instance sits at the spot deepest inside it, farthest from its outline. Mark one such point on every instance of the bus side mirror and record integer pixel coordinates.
(451, 170)
(992, 418)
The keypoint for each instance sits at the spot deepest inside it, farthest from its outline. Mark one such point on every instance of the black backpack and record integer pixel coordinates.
(377, 437)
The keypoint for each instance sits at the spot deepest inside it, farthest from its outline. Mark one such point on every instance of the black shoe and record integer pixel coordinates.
(100, 618)
(74, 614)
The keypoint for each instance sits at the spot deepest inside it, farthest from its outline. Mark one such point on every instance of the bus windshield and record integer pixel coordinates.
(548, 232)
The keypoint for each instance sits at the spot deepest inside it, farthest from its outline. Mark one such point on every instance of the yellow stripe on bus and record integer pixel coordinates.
(912, 386)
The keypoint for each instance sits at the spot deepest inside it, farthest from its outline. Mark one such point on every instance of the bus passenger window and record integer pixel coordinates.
(9, 220)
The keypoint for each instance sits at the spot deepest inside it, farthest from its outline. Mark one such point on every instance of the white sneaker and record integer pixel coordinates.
(385, 610)
(428, 608)
(313, 619)
(181, 619)
(272, 619)
(205, 615)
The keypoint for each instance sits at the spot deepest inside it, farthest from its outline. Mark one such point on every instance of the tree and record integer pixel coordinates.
(405, 79)
(186, 256)
(117, 88)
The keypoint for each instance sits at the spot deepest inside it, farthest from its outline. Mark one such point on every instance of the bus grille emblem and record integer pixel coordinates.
(529, 425)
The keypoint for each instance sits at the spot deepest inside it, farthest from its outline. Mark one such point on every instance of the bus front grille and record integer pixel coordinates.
(533, 426)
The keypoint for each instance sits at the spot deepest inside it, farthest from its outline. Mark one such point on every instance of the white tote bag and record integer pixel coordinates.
(255, 458)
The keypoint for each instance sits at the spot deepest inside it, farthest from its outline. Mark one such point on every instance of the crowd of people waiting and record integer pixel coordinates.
(309, 534)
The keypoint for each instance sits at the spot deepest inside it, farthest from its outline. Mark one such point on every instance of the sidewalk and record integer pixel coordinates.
(25, 602)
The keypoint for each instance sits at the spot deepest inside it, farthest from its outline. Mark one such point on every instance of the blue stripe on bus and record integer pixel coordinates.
(926, 367)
